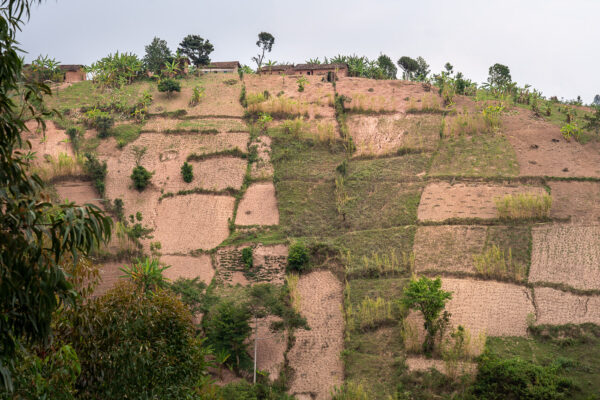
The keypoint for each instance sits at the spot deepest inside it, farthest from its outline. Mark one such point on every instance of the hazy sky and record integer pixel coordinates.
(550, 44)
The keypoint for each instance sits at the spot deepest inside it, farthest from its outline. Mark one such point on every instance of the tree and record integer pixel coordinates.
(449, 68)
(169, 85)
(187, 172)
(265, 42)
(157, 55)
(196, 49)
(409, 66)
(596, 101)
(387, 66)
(298, 257)
(35, 235)
(499, 75)
(426, 295)
(422, 69)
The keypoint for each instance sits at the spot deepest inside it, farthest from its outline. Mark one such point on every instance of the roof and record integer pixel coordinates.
(222, 65)
(70, 67)
(281, 67)
(321, 66)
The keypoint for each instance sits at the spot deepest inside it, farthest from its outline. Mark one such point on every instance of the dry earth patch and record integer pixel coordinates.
(258, 206)
(262, 168)
(315, 356)
(188, 267)
(579, 201)
(51, 143)
(556, 307)
(566, 254)
(441, 201)
(270, 347)
(80, 192)
(110, 274)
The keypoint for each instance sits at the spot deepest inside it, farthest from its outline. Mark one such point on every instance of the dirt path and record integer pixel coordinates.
(315, 356)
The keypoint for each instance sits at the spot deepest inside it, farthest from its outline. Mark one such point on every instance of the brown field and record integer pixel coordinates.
(80, 192)
(262, 168)
(441, 201)
(541, 149)
(493, 308)
(188, 267)
(578, 200)
(270, 347)
(191, 222)
(109, 275)
(316, 99)
(269, 264)
(386, 95)
(423, 364)
(219, 98)
(211, 174)
(448, 248)
(556, 307)
(160, 124)
(51, 143)
(259, 206)
(315, 357)
(385, 134)
(566, 254)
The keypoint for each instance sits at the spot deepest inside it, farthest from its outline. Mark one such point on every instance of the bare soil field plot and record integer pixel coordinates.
(441, 201)
(566, 254)
(262, 168)
(216, 174)
(386, 134)
(191, 222)
(380, 95)
(556, 307)
(270, 347)
(206, 125)
(494, 308)
(316, 100)
(110, 274)
(188, 267)
(541, 149)
(80, 192)
(448, 248)
(578, 200)
(219, 98)
(315, 356)
(258, 206)
(51, 143)
(269, 264)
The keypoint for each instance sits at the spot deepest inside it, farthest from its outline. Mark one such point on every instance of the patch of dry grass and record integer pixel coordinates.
(497, 264)
(524, 206)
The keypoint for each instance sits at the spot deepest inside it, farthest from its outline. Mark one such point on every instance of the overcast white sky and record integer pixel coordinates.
(550, 44)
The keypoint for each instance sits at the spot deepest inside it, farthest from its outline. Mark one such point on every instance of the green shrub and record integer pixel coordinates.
(141, 177)
(243, 100)
(192, 293)
(169, 85)
(247, 257)
(135, 345)
(103, 124)
(187, 171)
(571, 130)
(298, 257)
(97, 171)
(515, 378)
(146, 274)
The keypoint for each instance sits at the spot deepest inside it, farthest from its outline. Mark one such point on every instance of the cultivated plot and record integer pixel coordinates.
(566, 254)
(270, 347)
(556, 307)
(192, 222)
(258, 206)
(542, 151)
(386, 134)
(206, 125)
(79, 192)
(218, 173)
(579, 201)
(262, 168)
(441, 201)
(315, 357)
(268, 265)
(50, 143)
(188, 267)
(448, 248)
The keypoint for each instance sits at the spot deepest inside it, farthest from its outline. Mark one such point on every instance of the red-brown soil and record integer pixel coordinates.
(579, 201)
(188, 267)
(558, 308)
(80, 192)
(258, 206)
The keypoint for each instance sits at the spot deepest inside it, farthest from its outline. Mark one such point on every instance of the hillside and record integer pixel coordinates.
(381, 180)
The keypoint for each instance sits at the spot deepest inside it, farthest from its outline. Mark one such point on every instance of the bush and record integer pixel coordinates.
(169, 85)
(187, 171)
(103, 123)
(97, 171)
(135, 345)
(141, 177)
(515, 378)
(247, 257)
(571, 130)
(298, 257)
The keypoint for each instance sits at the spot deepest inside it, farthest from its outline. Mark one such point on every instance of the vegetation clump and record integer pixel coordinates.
(524, 206)
(298, 258)
(187, 172)
(140, 177)
(169, 85)
(247, 257)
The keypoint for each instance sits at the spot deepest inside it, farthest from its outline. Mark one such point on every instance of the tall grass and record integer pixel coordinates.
(370, 313)
(378, 264)
(292, 285)
(350, 391)
(63, 165)
(498, 264)
(429, 104)
(464, 124)
(491, 115)
(459, 348)
(409, 331)
(524, 206)
(362, 103)
(280, 108)
(255, 98)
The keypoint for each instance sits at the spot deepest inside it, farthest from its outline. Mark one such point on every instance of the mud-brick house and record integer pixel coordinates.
(321, 69)
(73, 73)
(222, 67)
(287, 69)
